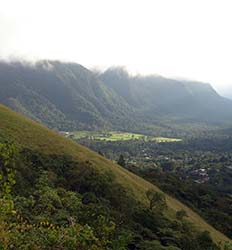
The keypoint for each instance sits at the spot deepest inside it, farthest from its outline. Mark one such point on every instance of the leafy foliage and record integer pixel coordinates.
(91, 213)
(156, 199)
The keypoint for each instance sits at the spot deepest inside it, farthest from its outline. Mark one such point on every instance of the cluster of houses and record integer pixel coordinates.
(199, 175)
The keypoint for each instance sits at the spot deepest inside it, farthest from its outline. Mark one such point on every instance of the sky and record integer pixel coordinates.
(190, 39)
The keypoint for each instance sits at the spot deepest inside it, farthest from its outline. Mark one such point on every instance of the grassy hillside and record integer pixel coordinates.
(32, 135)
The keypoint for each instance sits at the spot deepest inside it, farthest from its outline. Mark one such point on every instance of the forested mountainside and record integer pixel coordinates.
(61, 95)
(68, 96)
(56, 193)
(178, 100)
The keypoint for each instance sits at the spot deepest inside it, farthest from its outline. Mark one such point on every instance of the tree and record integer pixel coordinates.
(121, 161)
(181, 214)
(156, 199)
(100, 153)
(6, 200)
(228, 246)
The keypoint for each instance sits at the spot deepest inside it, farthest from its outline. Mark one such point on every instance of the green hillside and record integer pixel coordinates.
(67, 96)
(29, 134)
(173, 100)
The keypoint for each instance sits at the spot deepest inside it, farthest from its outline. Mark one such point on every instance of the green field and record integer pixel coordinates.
(119, 136)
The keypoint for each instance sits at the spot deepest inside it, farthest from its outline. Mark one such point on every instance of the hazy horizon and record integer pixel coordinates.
(177, 39)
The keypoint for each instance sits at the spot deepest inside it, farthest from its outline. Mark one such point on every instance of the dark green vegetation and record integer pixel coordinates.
(68, 97)
(62, 96)
(196, 171)
(68, 197)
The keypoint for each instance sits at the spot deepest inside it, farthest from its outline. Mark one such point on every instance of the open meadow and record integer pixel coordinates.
(118, 136)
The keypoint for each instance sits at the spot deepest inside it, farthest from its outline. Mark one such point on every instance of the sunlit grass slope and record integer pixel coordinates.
(30, 134)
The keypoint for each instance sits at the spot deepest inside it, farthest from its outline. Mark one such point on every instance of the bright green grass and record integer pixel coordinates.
(120, 136)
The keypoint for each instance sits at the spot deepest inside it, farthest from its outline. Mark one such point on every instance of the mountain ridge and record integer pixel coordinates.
(67, 96)
(186, 99)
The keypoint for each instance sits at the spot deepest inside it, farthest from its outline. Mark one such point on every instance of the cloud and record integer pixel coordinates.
(190, 39)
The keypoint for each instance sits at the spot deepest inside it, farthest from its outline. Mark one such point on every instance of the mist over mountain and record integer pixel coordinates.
(180, 100)
(227, 92)
(67, 96)
(61, 95)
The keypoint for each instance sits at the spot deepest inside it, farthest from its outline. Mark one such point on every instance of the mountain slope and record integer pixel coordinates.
(67, 96)
(177, 100)
(61, 95)
(32, 135)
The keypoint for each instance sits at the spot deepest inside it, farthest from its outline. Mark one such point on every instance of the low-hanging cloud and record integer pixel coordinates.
(189, 39)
